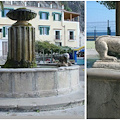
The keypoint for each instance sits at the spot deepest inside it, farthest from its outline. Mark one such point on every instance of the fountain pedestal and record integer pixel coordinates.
(21, 40)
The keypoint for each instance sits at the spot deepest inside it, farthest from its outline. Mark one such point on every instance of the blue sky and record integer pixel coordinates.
(98, 15)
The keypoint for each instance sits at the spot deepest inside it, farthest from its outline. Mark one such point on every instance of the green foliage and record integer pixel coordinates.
(108, 4)
(65, 49)
(47, 47)
(37, 111)
(66, 7)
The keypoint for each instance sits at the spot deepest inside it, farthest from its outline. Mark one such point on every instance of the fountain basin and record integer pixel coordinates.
(38, 82)
(21, 14)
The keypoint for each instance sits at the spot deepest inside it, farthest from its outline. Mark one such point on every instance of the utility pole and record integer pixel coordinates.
(95, 33)
(108, 29)
(117, 18)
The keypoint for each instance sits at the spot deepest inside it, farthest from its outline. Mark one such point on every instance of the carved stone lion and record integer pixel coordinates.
(64, 60)
(103, 44)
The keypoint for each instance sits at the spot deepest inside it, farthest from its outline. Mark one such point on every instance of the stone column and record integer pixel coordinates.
(21, 45)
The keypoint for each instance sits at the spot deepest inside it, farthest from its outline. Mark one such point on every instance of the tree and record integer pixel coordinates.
(47, 47)
(1, 5)
(108, 4)
(114, 5)
(66, 7)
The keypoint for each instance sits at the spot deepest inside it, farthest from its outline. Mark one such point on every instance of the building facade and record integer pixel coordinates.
(54, 25)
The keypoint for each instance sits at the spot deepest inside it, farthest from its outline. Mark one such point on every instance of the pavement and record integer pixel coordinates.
(92, 54)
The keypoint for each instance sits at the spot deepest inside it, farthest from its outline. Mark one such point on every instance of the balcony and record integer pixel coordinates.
(71, 16)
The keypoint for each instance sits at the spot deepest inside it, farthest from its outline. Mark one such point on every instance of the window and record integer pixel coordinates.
(58, 43)
(56, 16)
(44, 15)
(0, 30)
(5, 11)
(57, 35)
(71, 35)
(44, 30)
(5, 31)
(4, 48)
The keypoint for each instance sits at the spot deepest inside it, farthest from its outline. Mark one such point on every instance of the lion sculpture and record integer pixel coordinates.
(103, 44)
(63, 60)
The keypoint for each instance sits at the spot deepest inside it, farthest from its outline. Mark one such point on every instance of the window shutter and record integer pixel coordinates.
(48, 30)
(47, 15)
(3, 31)
(3, 13)
(54, 17)
(40, 30)
(73, 35)
(60, 17)
(40, 15)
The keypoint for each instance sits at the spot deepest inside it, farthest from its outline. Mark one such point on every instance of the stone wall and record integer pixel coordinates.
(103, 94)
(38, 82)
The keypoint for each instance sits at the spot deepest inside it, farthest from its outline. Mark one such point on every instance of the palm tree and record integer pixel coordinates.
(1, 5)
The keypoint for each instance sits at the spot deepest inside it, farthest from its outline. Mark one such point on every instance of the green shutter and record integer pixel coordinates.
(48, 30)
(3, 31)
(47, 15)
(3, 13)
(40, 30)
(40, 13)
(54, 17)
(60, 17)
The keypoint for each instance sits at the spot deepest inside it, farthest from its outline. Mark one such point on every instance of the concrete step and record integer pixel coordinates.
(42, 104)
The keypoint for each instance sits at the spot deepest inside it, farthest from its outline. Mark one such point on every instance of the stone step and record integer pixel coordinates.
(42, 104)
(76, 112)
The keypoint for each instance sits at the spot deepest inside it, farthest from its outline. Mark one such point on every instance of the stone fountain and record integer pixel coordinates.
(23, 79)
(104, 81)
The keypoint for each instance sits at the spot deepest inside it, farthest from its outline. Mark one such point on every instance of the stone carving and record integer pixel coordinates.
(64, 60)
(103, 44)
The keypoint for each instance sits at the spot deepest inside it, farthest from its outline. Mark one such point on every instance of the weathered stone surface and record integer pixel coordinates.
(43, 104)
(103, 44)
(107, 64)
(103, 86)
(63, 60)
(38, 82)
(21, 40)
